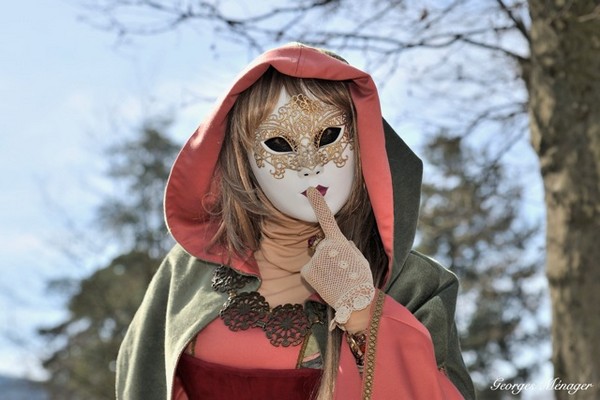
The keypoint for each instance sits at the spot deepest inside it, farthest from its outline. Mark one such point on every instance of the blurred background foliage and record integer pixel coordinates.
(483, 67)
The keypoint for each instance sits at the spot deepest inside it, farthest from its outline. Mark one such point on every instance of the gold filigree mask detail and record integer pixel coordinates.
(303, 133)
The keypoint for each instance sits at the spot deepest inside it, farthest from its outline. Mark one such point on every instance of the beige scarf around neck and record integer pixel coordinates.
(282, 254)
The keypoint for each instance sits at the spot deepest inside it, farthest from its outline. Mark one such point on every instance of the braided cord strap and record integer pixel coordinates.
(371, 347)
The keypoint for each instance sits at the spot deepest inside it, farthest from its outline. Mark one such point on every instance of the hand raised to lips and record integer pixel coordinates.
(338, 271)
(324, 215)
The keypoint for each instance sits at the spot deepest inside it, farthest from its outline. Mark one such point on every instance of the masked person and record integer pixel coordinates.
(294, 207)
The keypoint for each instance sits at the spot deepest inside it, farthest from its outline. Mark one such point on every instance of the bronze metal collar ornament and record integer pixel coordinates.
(285, 325)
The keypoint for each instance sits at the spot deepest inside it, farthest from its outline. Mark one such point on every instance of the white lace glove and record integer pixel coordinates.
(337, 271)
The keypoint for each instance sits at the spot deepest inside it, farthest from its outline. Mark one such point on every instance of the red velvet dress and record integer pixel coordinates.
(244, 366)
(203, 380)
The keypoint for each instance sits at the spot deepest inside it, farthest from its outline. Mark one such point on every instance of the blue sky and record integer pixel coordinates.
(63, 85)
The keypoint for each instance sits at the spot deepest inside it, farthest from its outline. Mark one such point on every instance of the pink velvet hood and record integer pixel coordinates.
(386, 161)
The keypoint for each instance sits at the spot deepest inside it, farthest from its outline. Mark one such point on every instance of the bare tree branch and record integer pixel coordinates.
(492, 47)
(519, 24)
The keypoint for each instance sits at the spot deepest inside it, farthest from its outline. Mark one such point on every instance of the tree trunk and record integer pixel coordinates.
(563, 80)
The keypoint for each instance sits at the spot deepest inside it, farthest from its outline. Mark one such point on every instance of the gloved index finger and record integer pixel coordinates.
(324, 215)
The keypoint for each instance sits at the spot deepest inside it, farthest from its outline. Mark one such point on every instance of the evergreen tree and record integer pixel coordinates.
(102, 306)
(139, 169)
(470, 222)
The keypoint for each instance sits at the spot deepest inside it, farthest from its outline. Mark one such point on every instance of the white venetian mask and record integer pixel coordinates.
(303, 142)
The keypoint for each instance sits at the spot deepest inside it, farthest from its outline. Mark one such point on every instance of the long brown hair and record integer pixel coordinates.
(242, 204)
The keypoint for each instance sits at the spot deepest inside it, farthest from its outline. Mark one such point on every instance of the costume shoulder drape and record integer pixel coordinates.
(180, 302)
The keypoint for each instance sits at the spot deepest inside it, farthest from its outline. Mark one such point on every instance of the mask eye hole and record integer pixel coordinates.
(278, 144)
(328, 135)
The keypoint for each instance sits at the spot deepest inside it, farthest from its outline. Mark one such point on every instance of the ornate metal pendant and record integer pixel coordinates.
(226, 280)
(285, 325)
(244, 311)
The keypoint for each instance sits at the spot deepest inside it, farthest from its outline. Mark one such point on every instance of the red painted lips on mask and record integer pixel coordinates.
(320, 189)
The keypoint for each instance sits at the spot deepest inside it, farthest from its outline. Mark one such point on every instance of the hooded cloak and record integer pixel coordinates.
(413, 323)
